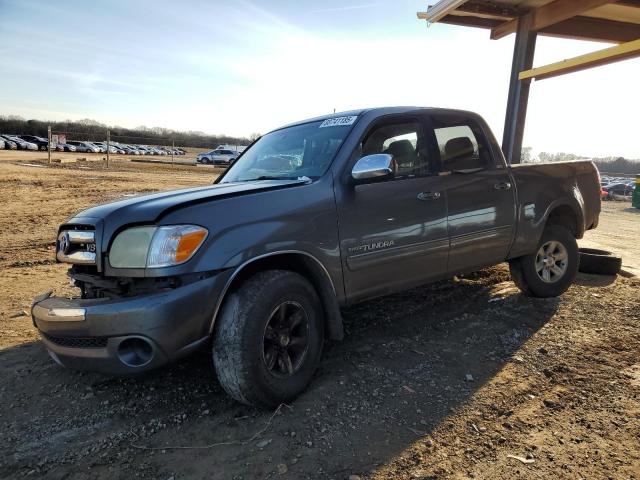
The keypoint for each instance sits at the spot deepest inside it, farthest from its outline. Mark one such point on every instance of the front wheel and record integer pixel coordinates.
(549, 271)
(268, 338)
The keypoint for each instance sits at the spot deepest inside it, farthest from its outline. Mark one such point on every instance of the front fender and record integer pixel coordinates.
(301, 218)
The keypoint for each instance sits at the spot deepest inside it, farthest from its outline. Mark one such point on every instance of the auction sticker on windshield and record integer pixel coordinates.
(338, 121)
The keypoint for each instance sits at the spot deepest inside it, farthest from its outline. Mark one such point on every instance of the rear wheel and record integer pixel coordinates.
(268, 339)
(549, 271)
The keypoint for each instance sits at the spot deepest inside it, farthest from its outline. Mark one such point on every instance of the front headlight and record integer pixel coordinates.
(155, 247)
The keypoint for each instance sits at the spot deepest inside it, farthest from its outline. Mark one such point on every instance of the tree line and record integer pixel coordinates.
(88, 129)
(604, 164)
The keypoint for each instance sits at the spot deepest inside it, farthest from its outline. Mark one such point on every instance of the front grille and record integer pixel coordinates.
(77, 342)
(77, 245)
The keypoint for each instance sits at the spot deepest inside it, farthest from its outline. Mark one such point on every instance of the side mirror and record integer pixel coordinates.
(374, 167)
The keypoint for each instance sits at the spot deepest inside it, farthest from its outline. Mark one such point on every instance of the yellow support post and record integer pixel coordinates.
(601, 57)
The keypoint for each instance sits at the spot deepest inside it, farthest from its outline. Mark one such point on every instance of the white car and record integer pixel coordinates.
(218, 157)
(103, 146)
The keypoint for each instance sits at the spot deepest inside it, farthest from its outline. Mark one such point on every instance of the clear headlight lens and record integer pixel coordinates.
(131, 247)
(174, 245)
(155, 247)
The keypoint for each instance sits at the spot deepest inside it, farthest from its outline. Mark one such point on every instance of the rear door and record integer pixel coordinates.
(393, 233)
(479, 190)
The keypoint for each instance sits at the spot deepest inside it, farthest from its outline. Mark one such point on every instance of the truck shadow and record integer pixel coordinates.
(588, 280)
(408, 361)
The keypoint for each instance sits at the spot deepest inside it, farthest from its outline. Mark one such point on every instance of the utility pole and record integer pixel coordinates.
(173, 146)
(49, 143)
(108, 146)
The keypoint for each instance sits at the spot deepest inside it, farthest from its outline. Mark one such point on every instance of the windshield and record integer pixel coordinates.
(299, 151)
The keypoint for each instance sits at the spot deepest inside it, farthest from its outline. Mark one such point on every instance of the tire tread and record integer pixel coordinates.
(234, 368)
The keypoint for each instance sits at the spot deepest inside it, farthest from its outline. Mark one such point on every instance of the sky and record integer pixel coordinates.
(238, 67)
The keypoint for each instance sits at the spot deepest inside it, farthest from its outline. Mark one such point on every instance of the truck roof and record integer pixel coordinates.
(377, 111)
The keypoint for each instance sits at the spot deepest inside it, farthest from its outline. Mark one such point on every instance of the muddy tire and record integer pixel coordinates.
(268, 338)
(599, 262)
(549, 271)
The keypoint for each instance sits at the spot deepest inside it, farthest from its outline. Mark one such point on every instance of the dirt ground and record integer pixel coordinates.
(618, 232)
(465, 378)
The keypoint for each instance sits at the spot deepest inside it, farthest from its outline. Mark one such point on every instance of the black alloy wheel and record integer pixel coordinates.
(286, 339)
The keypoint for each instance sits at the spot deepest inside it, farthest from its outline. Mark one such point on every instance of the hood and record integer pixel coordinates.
(150, 208)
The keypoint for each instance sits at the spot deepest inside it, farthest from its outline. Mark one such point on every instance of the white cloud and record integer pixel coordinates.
(238, 68)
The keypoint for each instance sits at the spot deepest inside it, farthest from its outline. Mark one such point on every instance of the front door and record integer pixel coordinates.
(393, 233)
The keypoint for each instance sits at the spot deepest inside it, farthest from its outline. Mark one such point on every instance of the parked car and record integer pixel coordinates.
(2, 144)
(218, 157)
(169, 150)
(85, 147)
(129, 150)
(619, 191)
(374, 201)
(103, 147)
(8, 144)
(20, 143)
(65, 147)
(158, 151)
(42, 143)
(143, 150)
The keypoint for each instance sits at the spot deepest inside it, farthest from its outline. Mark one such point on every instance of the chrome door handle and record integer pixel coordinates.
(502, 186)
(428, 195)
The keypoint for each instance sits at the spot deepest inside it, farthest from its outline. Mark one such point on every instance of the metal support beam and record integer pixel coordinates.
(515, 117)
(590, 60)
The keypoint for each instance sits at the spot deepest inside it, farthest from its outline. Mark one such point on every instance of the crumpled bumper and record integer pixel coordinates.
(130, 334)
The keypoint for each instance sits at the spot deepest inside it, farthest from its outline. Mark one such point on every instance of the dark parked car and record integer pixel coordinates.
(616, 191)
(42, 143)
(312, 217)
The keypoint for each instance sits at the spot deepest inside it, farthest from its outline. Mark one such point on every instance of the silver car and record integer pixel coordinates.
(218, 157)
(85, 147)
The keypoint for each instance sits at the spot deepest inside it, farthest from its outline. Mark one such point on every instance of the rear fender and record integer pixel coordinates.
(531, 223)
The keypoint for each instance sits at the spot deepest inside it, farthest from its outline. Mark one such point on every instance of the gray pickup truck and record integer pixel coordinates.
(311, 217)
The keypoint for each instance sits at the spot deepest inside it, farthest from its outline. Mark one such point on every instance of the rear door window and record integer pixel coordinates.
(461, 144)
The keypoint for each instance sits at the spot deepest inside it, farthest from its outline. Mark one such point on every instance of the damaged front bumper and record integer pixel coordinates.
(128, 334)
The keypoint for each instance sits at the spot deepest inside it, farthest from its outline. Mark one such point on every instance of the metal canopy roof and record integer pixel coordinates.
(599, 20)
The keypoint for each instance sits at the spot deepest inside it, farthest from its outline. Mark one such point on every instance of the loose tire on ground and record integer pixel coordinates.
(246, 337)
(600, 262)
(562, 249)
